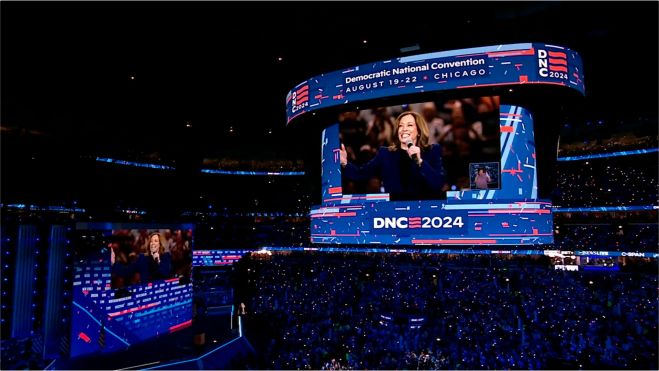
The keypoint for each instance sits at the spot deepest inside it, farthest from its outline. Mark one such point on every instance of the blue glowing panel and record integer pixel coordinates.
(133, 163)
(258, 173)
(519, 178)
(330, 172)
(511, 215)
(469, 251)
(216, 258)
(610, 154)
(497, 65)
(617, 253)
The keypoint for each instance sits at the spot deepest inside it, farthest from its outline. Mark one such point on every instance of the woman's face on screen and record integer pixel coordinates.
(154, 244)
(407, 130)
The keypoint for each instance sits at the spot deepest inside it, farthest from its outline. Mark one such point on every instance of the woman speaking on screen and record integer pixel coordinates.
(410, 169)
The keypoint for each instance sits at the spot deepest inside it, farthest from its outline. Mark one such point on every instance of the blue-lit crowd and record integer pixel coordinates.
(607, 182)
(641, 237)
(360, 311)
(608, 142)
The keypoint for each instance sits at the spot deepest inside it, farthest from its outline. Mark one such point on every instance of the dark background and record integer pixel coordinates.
(177, 82)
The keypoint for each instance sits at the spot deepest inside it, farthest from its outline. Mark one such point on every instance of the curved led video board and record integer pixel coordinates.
(487, 179)
(508, 212)
(497, 65)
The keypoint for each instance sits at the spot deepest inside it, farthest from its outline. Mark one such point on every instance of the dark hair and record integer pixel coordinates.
(421, 128)
(161, 249)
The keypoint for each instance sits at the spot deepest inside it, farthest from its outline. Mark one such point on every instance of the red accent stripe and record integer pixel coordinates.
(302, 89)
(518, 234)
(511, 53)
(172, 280)
(481, 214)
(183, 325)
(548, 82)
(458, 242)
(230, 257)
(562, 62)
(338, 215)
(341, 206)
(302, 100)
(354, 198)
(136, 309)
(296, 115)
(510, 114)
(302, 95)
(84, 337)
(557, 55)
(334, 190)
(506, 129)
(558, 68)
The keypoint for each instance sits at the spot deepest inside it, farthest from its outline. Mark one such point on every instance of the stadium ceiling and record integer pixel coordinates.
(207, 75)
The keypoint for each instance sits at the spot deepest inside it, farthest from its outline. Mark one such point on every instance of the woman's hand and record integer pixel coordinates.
(414, 150)
(343, 155)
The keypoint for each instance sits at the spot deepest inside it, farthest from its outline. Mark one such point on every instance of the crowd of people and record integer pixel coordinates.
(352, 311)
(253, 232)
(615, 144)
(607, 237)
(601, 136)
(607, 182)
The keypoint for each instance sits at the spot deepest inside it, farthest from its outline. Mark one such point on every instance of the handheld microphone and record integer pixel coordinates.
(415, 157)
